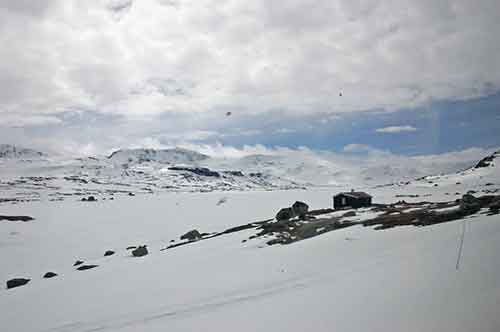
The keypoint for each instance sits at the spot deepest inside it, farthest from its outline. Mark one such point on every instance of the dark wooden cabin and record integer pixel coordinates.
(354, 199)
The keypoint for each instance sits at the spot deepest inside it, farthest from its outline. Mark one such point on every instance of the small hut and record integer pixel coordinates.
(354, 199)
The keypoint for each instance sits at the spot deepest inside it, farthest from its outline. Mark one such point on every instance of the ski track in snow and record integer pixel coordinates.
(131, 319)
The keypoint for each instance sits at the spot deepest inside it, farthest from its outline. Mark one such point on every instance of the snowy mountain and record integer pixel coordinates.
(168, 156)
(182, 170)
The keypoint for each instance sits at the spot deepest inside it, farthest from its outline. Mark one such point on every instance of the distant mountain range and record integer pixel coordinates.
(183, 169)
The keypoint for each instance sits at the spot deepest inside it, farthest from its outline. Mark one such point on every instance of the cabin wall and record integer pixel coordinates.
(351, 201)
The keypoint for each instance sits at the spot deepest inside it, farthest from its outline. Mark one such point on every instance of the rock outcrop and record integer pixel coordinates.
(16, 282)
(86, 267)
(300, 209)
(470, 203)
(487, 161)
(16, 218)
(191, 235)
(50, 275)
(203, 171)
(140, 251)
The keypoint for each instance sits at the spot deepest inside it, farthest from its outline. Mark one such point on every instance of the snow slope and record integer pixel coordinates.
(353, 279)
(172, 156)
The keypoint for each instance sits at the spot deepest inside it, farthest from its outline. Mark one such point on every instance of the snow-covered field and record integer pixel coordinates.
(351, 279)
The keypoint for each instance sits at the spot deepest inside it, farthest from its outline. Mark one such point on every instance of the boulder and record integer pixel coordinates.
(495, 206)
(191, 235)
(78, 263)
(16, 218)
(300, 208)
(16, 282)
(285, 214)
(50, 275)
(469, 203)
(140, 251)
(86, 267)
(234, 173)
(349, 214)
(109, 253)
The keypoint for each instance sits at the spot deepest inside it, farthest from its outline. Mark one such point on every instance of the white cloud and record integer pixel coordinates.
(255, 55)
(357, 148)
(396, 129)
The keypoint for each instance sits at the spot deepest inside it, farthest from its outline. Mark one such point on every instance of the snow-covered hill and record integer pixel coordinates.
(350, 279)
(342, 270)
(8, 151)
(169, 156)
(182, 170)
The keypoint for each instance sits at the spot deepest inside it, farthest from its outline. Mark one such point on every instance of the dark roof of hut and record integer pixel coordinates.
(355, 194)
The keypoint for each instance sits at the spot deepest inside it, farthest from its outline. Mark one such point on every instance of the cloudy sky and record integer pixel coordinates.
(410, 77)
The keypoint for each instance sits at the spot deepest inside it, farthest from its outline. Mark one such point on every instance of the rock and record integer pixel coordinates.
(196, 170)
(16, 282)
(109, 253)
(486, 162)
(16, 218)
(91, 199)
(50, 275)
(131, 194)
(300, 208)
(78, 263)
(285, 214)
(469, 203)
(86, 267)
(256, 175)
(140, 251)
(221, 201)
(191, 235)
(495, 206)
(349, 214)
(234, 173)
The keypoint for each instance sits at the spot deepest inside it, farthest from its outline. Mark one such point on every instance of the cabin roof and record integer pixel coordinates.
(354, 194)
